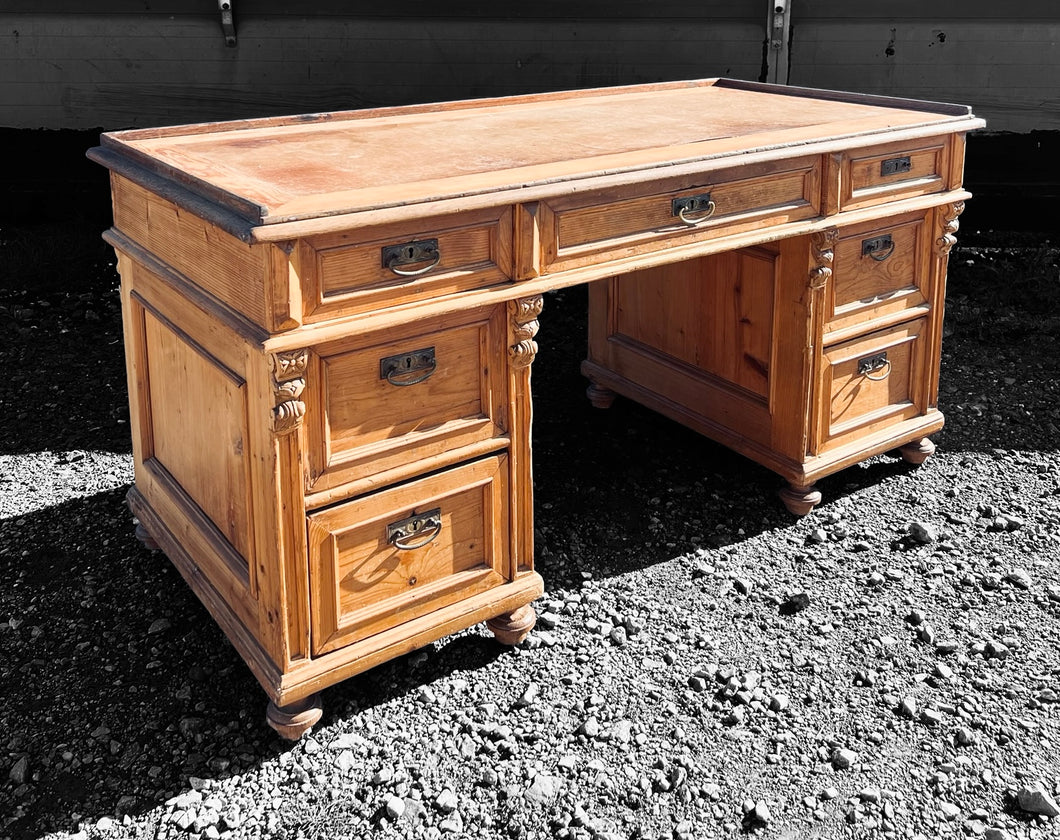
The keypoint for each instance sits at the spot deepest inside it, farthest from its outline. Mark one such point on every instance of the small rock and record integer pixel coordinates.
(1020, 578)
(943, 671)
(1034, 799)
(795, 603)
(104, 824)
(743, 586)
(931, 717)
(907, 708)
(529, 695)
(590, 728)
(159, 625)
(446, 801)
(395, 807)
(995, 833)
(923, 532)
(760, 813)
(20, 771)
(843, 759)
(949, 810)
(779, 702)
(543, 789)
(915, 618)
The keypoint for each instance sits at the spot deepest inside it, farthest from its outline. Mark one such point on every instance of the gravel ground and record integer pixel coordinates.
(703, 666)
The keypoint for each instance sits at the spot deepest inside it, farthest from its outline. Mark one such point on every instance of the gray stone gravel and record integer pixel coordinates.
(704, 665)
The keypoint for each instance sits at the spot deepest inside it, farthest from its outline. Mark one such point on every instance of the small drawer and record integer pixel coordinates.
(402, 553)
(878, 272)
(886, 173)
(370, 268)
(380, 404)
(874, 381)
(598, 228)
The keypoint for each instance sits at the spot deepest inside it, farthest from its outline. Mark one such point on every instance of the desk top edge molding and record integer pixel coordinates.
(253, 220)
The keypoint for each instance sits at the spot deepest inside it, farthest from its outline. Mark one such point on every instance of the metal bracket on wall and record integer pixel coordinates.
(779, 29)
(228, 24)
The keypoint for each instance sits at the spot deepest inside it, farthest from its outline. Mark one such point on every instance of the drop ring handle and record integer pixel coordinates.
(693, 209)
(884, 371)
(416, 531)
(396, 377)
(416, 271)
(879, 248)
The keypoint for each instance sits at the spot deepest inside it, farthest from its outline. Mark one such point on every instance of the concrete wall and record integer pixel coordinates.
(125, 63)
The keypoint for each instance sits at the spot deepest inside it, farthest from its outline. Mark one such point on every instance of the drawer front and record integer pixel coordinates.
(878, 272)
(874, 381)
(388, 400)
(886, 173)
(369, 268)
(396, 555)
(598, 228)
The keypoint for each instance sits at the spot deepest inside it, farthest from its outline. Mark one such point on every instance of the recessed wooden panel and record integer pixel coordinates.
(890, 279)
(346, 272)
(198, 423)
(361, 423)
(885, 173)
(362, 583)
(714, 313)
(873, 381)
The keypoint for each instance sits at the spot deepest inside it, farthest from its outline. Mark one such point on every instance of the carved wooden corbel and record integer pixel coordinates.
(288, 378)
(823, 244)
(522, 314)
(950, 224)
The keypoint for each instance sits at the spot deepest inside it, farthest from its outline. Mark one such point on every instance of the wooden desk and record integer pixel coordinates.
(330, 322)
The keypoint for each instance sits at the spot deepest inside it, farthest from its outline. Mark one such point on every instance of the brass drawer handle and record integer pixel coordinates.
(879, 248)
(415, 531)
(875, 364)
(406, 369)
(682, 207)
(411, 253)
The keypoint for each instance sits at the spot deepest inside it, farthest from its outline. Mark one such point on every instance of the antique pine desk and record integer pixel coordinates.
(330, 322)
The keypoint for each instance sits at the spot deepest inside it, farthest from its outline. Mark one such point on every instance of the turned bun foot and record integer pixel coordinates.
(917, 451)
(296, 719)
(599, 396)
(800, 500)
(145, 537)
(511, 628)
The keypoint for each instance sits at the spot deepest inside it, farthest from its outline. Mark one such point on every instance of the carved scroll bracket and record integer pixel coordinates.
(823, 244)
(950, 225)
(288, 379)
(522, 314)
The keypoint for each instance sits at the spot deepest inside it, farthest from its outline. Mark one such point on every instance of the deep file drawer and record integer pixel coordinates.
(396, 555)
(872, 382)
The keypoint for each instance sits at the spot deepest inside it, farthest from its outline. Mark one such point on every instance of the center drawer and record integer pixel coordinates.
(386, 405)
(596, 228)
(399, 554)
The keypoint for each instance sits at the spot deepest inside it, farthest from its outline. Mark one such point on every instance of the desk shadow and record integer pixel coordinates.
(119, 687)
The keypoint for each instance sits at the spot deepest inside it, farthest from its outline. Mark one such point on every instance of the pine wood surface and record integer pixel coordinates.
(284, 170)
(798, 320)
